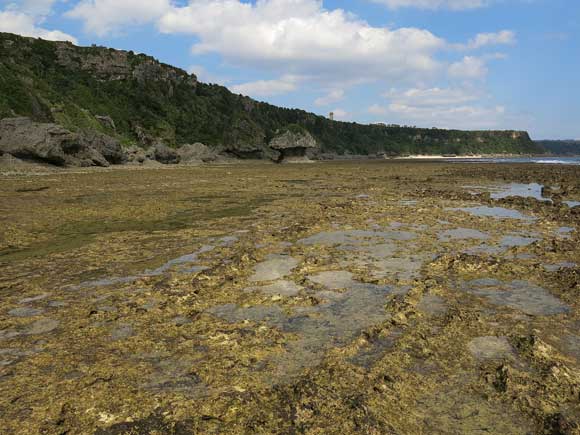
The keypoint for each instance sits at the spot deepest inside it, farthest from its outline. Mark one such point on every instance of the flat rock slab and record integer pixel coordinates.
(432, 305)
(519, 295)
(334, 280)
(25, 312)
(355, 237)
(275, 267)
(42, 326)
(494, 212)
(122, 332)
(487, 348)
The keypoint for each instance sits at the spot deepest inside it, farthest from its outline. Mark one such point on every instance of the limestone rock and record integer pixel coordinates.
(108, 147)
(293, 144)
(196, 152)
(51, 143)
(166, 155)
(138, 155)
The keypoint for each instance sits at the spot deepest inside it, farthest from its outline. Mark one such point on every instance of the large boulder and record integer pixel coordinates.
(137, 155)
(109, 147)
(165, 155)
(196, 153)
(293, 144)
(46, 142)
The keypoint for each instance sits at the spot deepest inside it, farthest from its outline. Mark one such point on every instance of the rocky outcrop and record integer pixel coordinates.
(197, 153)
(51, 143)
(114, 65)
(163, 154)
(293, 145)
(108, 147)
(137, 155)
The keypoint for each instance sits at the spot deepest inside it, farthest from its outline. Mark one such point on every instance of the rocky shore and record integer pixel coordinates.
(24, 139)
(336, 297)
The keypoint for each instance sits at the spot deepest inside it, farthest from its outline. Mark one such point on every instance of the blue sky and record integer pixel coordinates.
(470, 64)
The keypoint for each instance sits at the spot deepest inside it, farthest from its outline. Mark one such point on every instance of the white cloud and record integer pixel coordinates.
(301, 37)
(435, 4)
(458, 107)
(105, 16)
(466, 116)
(36, 8)
(205, 76)
(505, 37)
(375, 109)
(470, 67)
(267, 88)
(27, 25)
(432, 97)
(332, 97)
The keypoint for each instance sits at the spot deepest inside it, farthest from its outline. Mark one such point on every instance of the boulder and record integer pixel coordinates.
(293, 144)
(46, 142)
(109, 147)
(165, 155)
(195, 153)
(138, 155)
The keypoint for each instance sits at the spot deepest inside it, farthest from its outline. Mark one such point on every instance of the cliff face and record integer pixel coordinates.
(139, 100)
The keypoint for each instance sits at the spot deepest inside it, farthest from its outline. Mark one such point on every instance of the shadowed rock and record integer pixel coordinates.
(51, 143)
(293, 144)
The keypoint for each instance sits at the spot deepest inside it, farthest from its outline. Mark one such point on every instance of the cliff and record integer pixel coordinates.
(140, 101)
(561, 147)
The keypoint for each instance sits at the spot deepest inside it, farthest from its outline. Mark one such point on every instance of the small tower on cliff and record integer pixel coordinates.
(331, 116)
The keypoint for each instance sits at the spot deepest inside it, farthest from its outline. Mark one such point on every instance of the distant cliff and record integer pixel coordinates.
(140, 101)
(561, 147)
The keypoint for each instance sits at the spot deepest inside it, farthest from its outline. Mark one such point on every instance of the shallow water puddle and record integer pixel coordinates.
(356, 237)
(556, 267)
(337, 320)
(519, 295)
(432, 305)
(184, 264)
(494, 212)
(462, 234)
(531, 190)
(275, 267)
(278, 288)
(506, 242)
(489, 348)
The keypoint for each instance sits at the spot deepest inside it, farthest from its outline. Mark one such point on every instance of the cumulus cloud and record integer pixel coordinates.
(454, 107)
(301, 37)
(29, 25)
(470, 67)
(464, 116)
(505, 37)
(332, 97)
(205, 76)
(101, 17)
(432, 97)
(378, 110)
(435, 4)
(267, 88)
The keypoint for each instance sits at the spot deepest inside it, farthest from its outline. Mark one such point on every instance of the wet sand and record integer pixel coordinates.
(340, 297)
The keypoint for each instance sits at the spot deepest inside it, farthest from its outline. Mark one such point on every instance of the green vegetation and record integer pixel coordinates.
(61, 83)
(561, 147)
